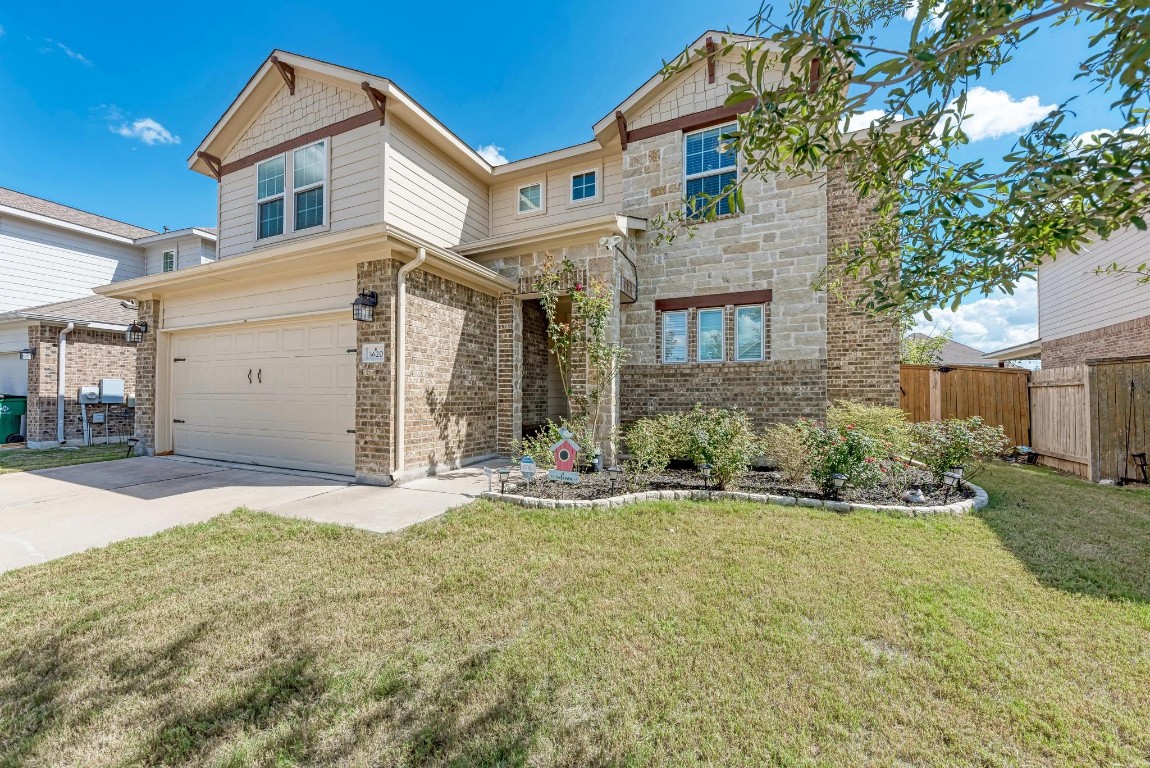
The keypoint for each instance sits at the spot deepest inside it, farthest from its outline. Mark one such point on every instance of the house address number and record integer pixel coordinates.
(373, 353)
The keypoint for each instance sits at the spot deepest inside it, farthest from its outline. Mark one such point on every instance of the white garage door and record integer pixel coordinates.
(13, 375)
(277, 395)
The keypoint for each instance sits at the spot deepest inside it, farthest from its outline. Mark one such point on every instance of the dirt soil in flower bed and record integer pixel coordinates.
(598, 486)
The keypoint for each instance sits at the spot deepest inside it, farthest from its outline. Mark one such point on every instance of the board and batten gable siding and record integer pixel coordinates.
(251, 301)
(1072, 299)
(42, 264)
(505, 217)
(354, 192)
(429, 195)
(191, 251)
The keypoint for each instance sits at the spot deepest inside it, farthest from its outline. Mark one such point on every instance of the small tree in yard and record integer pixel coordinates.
(584, 335)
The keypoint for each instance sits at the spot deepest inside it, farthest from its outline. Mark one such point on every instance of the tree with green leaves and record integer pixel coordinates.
(958, 226)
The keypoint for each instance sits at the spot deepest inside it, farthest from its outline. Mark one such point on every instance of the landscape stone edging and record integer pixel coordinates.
(979, 501)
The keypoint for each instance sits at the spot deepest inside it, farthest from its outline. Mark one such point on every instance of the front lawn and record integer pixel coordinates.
(657, 634)
(26, 460)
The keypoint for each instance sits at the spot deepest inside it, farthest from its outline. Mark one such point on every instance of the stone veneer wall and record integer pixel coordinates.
(535, 365)
(92, 355)
(1127, 339)
(375, 382)
(451, 373)
(862, 350)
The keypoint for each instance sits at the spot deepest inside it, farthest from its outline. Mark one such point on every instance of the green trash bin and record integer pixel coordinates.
(12, 410)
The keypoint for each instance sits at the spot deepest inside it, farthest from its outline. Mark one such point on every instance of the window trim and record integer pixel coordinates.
(762, 333)
(687, 177)
(686, 313)
(595, 198)
(722, 334)
(164, 261)
(542, 184)
(290, 191)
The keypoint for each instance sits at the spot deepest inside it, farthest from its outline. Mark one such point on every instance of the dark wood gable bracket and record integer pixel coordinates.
(377, 99)
(622, 123)
(710, 61)
(287, 72)
(714, 300)
(214, 163)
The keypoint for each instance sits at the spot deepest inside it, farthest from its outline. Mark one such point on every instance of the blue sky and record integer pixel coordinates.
(103, 102)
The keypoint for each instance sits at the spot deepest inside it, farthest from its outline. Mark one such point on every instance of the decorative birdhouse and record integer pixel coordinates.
(565, 452)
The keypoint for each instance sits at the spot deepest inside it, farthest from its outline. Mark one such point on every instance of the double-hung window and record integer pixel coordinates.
(675, 337)
(710, 335)
(749, 333)
(307, 169)
(169, 261)
(711, 172)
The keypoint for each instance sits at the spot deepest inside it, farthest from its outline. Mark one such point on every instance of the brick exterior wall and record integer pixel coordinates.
(1128, 339)
(509, 373)
(862, 350)
(92, 355)
(146, 369)
(375, 382)
(451, 379)
(535, 365)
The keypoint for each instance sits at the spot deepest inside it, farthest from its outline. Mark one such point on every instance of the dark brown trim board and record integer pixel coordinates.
(691, 122)
(713, 300)
(343, 126)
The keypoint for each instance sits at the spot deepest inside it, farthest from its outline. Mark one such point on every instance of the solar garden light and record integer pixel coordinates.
(132, 443)
(706, 471)
(504, 476)
(1140, 462)
(615, 474)
(951, 481)
(956, 471)
(363, 308)
(839, 480)
(135, 333)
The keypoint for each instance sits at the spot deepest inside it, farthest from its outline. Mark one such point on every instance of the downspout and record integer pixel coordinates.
(401, 358)
(61, 366)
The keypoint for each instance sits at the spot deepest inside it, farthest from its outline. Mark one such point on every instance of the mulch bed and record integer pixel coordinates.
(598, 486)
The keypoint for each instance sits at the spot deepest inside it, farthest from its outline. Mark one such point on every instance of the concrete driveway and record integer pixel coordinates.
(55, 512)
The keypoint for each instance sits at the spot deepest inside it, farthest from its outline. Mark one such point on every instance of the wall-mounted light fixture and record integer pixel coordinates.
(26, 354)
(135, 332)
(363, 308)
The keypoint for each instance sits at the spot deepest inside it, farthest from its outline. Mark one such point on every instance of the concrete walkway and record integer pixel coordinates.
(56, 512)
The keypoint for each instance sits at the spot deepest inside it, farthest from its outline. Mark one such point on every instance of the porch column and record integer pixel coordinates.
(509, 360)
(147, 374)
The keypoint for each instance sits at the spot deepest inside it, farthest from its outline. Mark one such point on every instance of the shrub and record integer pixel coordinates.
(968, 443)
(846, 451)
(651, 444)
(723, 438)
(538, 445)
(883, 423)
(785, 447)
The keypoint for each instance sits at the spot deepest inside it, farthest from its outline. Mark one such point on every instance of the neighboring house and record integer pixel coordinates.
(956, 353)
(1085, 315)
(334, 183)
(51, 256)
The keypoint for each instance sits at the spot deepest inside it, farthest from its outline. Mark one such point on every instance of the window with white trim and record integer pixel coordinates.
(709, 334)
(675, 337)
(749, 333)
(309, 172)
(710, 171)
(169, 261)
(584, 186)
(531, 198)
(270, 176)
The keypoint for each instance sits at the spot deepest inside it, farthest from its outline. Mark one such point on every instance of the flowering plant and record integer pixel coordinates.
(847, 451)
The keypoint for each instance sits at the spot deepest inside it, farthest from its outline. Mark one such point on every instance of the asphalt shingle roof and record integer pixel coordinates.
(23, 202)
(954, 353)
(91, 309)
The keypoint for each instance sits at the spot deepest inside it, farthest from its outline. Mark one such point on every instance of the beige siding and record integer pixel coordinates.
(691, 93)
(13, 376)
(189, 253)
(354, 193)
(431, 196)
(505, 219)
(238, 302)
(1072, 299)
(13, 337)
(42, 264)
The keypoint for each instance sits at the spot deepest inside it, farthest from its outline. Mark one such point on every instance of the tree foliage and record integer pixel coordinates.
(960, 226)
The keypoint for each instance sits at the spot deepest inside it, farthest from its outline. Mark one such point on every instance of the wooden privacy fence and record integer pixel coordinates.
(998, 395)
(1089, 419)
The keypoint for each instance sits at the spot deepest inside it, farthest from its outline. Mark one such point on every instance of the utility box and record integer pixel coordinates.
(89, 395)
(130, 401)
(112, 391)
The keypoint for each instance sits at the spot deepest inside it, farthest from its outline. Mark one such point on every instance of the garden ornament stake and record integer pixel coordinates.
(504, 476)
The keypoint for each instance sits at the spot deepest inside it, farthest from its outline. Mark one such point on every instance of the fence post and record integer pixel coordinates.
(935, 395)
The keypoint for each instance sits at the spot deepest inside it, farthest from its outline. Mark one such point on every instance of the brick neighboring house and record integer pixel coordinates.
(51, 256)
(1083, 315)
(334, 183)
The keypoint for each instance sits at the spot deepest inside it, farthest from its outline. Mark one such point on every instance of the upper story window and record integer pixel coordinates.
(710, 171)
(675, 337)
(169, 261)
(308, 171)
(531, 198)
(584, 186)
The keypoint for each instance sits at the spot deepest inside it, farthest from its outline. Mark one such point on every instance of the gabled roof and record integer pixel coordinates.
(89, 309)
(38, 206)
(956, 353)
(267, 82)
(207, 233)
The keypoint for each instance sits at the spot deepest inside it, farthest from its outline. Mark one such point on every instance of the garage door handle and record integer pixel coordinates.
(249, 375)
(260, 376)
(178, 421)
(351, 431)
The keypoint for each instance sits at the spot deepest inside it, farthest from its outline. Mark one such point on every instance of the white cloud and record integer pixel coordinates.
(1098, 135)
(991, 114)
(492, 154)
(146, 130)
(994, 322)
(862, 120)
(74, 54)
(933, 20)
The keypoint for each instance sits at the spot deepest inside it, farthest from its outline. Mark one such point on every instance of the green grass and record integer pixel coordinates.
(660, 634)
(25, 460)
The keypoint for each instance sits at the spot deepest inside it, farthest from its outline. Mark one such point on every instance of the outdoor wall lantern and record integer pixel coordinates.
(504, 476)
(135, 332)
(614, 474)
(839, 480)
(26, 354)
(363, 308)
(706, 472)
(951, 481)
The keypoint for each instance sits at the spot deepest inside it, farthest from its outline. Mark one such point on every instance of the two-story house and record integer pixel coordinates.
(51, 256)
(335, 186)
